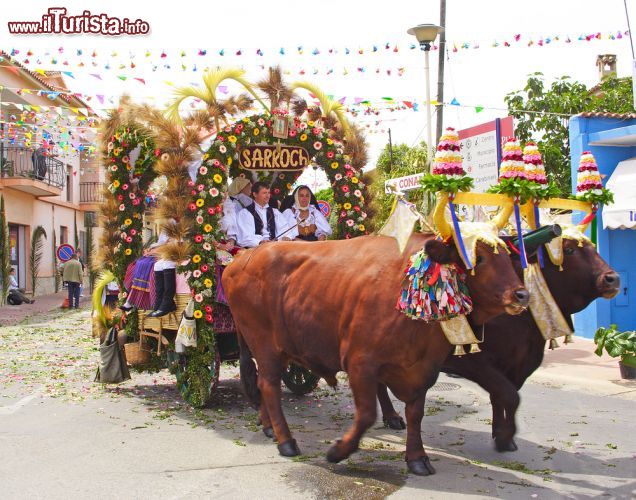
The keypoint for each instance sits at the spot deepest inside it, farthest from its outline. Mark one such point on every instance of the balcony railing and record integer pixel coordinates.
(91, 192)
(26, 163)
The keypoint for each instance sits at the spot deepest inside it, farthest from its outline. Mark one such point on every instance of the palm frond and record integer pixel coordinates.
(36, 254)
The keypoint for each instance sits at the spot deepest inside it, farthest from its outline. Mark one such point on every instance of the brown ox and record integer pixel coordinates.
(513, 347)
(330, 306)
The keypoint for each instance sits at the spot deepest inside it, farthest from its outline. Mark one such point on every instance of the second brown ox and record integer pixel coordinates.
(330, 306)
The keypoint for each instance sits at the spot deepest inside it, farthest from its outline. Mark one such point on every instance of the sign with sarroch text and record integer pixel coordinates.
(274, 157)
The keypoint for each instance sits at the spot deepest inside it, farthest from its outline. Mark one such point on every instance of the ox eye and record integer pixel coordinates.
(568, 250)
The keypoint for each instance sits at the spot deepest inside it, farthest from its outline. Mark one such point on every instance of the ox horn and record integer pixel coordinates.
(501, 219)
(439, 217)
(589, 217)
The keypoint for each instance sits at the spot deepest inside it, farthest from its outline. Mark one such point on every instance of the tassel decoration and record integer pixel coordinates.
(433, 291)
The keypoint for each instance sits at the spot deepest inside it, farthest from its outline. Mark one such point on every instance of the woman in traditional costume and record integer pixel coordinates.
(311, 224)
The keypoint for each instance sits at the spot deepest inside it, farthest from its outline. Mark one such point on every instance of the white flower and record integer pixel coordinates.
(222, 148)
(196, 273)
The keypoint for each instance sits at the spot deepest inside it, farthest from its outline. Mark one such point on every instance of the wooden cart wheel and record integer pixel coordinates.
(198, 392)
(299, 380)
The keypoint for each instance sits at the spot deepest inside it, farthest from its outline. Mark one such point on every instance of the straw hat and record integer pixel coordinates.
(237, 186)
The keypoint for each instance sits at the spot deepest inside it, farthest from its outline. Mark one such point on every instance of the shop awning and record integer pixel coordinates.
(622, 213)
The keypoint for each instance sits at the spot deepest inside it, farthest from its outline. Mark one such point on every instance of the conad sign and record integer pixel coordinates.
(403, 183)
(276, 157)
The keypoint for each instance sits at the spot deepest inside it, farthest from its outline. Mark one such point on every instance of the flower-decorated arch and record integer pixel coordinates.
(128, 180)
(221, 159)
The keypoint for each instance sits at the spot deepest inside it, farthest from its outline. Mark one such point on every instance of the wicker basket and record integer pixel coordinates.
(137, 354)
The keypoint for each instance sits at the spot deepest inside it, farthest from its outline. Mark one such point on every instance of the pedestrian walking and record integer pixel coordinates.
(73, 275)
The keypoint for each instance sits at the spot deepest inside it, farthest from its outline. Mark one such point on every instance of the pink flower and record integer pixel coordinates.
(222, 149)
(343, 213)
(205, 268)
(317, 145)
(199, 220)
(129, 239)
(208, 309)
(196, 273)
(190, 183)
(211, 211)
(316, 131)
(132, 196)
(347, 166)
(357, 193)
(123, 235)
(198, 238)
(350, 222)
(338, 177)
(125, 187)
(216, 163)
(292, 133)
(330, 154)
(214, 192)
(345, 189)
(192, 207)
(122, 207)
(193, 192)
(136, 202)
(200, 187)
(198, 297)
(133, 232)
(207, 246)
(203, 170)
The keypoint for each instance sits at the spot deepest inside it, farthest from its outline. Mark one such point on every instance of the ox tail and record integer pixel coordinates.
(249, 373)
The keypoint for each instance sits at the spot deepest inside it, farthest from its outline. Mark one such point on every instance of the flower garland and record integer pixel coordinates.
(128, 183)
(589, 186)
(209, 189)
(448, 174)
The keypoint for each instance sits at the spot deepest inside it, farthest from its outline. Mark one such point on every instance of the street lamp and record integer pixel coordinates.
(426, 34)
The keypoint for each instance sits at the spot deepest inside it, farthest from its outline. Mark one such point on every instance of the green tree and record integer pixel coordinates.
(5, 260)
(405, 160)
(542, 114)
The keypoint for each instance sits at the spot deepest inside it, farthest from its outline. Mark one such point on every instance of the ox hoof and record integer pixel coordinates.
(269, 432)
(288, 448)
(421, 467)
(395, 422)
(505, 445)
(334, 455)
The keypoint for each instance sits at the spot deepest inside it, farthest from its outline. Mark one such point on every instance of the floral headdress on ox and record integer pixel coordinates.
(436, 292)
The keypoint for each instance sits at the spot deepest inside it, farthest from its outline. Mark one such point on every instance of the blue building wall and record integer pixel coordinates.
(616, 246)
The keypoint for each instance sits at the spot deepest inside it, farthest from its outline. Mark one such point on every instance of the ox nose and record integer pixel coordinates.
(523, 296)
(612, 279)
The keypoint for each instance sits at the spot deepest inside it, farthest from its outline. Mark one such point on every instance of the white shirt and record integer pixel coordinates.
(241, 201)
(315, 217)
(247, 236)
(13, 284)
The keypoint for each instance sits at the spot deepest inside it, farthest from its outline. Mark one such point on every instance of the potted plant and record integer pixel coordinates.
(616, 344)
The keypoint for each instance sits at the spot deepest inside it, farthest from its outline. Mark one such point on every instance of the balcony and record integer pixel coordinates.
(23, 170)
(91, 192)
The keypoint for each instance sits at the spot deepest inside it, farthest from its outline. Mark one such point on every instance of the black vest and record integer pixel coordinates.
(258, 222)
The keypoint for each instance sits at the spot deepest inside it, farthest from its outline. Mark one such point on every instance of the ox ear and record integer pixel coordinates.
(440, 252)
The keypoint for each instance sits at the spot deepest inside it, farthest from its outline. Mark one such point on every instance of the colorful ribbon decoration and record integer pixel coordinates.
(537, 225)
(522, 249)
(458, 234)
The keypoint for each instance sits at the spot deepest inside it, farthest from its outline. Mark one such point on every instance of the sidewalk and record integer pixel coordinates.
(10, 315)
(576, 367)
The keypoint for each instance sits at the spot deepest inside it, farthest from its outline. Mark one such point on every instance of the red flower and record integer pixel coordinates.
(208, 309)
(218, 209)
(211, 211)
(193, 192)
(157, 152)
(120, 197)
(345, 189)
(205, 268)
(208, 318)
(330, 154)
(192, 207)
(356, 208)
(198, 238)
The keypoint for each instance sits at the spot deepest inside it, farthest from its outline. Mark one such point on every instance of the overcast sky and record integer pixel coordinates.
(474, 77)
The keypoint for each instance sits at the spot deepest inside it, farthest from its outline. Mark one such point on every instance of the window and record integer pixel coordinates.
(63, 235)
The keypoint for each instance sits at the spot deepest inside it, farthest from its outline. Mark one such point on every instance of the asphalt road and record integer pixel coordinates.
(63, 436)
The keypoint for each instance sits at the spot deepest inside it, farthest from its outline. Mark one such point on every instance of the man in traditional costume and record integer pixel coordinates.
(259, 223)
(311, 224)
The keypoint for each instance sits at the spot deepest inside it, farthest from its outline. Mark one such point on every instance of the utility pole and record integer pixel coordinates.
(390, 151)
(440, 70)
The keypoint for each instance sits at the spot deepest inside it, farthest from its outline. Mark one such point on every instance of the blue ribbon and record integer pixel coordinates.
(536, 226)
(522, 248)
(458, 234)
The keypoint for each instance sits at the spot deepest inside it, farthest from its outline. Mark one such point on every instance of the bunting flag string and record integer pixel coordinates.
(62, 55)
